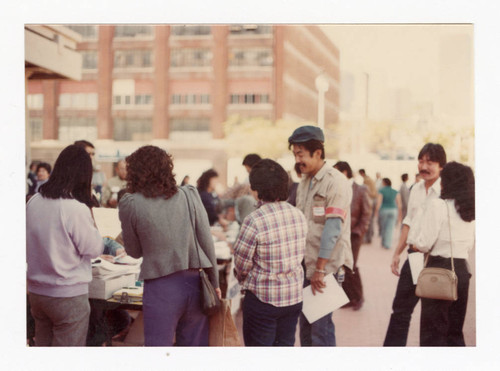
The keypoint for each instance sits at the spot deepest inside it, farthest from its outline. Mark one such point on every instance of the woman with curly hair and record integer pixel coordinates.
(156, 225)
(441, 321)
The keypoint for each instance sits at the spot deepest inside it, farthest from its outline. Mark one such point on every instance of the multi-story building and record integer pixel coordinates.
(162, 83)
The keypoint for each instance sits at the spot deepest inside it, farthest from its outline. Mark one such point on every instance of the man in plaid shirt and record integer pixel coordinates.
(268, 255)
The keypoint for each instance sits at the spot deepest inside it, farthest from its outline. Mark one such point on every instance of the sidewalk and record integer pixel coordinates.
(367, 327)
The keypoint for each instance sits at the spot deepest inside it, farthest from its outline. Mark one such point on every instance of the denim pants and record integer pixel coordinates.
(267, 325)
(319, 333)
(387, 218)
(171, 307)
(403, 305)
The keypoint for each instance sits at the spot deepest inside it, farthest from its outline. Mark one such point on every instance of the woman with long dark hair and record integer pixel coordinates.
(61, 238)
(156, 225)
(206, 188)
(442, 321)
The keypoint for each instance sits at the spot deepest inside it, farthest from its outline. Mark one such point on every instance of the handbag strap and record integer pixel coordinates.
(451, 244)
(192, 225)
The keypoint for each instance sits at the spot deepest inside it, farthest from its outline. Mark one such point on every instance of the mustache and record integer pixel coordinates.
(424, 172)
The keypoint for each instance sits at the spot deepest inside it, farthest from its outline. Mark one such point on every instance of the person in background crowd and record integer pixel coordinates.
(90, 149)
(388, 210)
(361, 211)
(206, 187)
(249, 162)
(268, 259)
(378, 181)
(442, 321)
(431, 160)
(98, 180)
(404, 193)
(61, 238)
(31, 178)
(43, 170)
(324, 196)
(418, 178)
(156, 224)
(372, 193)
(114, 185)
(185, 181)
(292, 198)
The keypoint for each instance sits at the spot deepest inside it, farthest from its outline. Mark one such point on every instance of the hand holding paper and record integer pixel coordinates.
(316, 306)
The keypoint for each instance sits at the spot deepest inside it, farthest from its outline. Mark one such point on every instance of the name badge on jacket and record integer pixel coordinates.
(318, 211)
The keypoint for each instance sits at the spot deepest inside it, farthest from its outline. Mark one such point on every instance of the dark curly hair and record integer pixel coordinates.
(435, 151)
(269, 180)
(457, 182)
(150, 172)
(344, 166)
(204, 180)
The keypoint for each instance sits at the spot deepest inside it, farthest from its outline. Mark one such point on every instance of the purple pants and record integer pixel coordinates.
(171, 307)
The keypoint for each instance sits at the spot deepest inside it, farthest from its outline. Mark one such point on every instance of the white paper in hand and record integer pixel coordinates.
(319, 305)
(416, 261)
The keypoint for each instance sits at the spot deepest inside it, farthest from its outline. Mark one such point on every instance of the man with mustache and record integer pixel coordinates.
(324, 196)
(431, 161)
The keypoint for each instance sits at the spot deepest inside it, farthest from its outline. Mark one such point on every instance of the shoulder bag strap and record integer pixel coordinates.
(451, 245)
(192, 225)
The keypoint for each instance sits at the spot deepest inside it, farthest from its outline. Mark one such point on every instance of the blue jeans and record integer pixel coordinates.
(387, 219)
(267, 325)
(318, 333)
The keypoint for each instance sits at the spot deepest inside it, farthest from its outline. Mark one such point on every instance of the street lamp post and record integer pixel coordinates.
(322, 86)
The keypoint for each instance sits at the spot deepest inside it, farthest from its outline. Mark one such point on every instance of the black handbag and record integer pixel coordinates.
(209, 301)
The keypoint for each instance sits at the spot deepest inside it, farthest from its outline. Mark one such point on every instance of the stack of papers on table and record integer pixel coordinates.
(103, 269)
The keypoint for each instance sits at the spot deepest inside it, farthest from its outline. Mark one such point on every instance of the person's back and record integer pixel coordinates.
(54, 225)
(388, 197)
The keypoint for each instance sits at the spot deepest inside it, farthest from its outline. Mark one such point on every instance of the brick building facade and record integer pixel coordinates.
(162, 83)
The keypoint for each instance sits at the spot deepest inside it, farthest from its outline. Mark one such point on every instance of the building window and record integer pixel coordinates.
(205, 99)
(133, 58)
(249, 98)
(130, 129)
(190, 124)
(188, 57)
(35, 101)
(134, 31)
(143, 99)
(117, 100)
(88, 32)
(251, 57)
(36, 126)
(127, 100)
(75, 128)
(187, 30)
(89, 60)
(250, 29)
(78, 100)
(190, 99)
(176, 99)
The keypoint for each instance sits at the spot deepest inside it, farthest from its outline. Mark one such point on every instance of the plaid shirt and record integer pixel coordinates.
(269, 251)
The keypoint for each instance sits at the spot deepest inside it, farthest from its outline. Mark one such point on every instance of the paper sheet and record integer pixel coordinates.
(319, 305)
(416, 261)
(107, 221)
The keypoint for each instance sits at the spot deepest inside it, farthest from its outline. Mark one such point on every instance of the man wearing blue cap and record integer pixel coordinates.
(324, 196)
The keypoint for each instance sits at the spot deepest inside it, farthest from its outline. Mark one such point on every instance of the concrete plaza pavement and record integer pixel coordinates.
(367, 326)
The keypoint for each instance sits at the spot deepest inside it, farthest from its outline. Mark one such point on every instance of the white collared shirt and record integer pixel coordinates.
(418, 199)
(432, 231)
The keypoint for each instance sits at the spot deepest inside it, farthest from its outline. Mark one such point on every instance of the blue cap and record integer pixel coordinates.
(305, 133)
